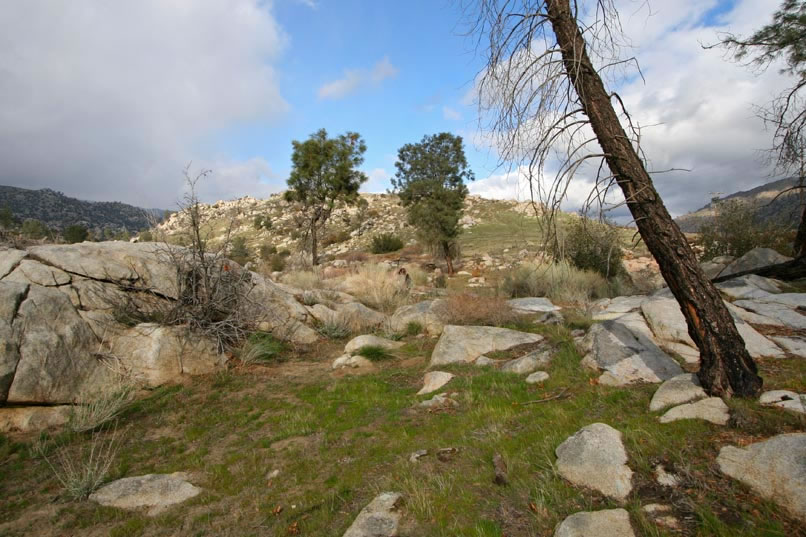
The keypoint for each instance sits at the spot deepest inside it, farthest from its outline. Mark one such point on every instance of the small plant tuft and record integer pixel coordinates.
(262, 347)
(374, 353)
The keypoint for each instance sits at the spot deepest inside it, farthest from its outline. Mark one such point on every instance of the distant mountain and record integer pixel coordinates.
(59, 211)
(784, 210)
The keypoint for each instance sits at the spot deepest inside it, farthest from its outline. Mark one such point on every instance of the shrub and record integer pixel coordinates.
(277, 263)
(97, 408)
(82, 470)
(735, 230)
(385, 243)
(75, 233)
(262, 222)
(594, 246)
(373, 353)
(267, 251)
(413, 328)
(475, 310)
(559, 281)
(335, 327)
(34, 229)
(261, 347)
(239, 252)
(336, 237)
(374, 285)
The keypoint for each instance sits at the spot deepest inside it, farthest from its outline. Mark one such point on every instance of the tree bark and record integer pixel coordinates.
(314, 249)
(726, 368)
(800, 236)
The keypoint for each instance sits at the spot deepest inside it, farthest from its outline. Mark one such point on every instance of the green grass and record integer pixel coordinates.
(374, 353)
(340, 440)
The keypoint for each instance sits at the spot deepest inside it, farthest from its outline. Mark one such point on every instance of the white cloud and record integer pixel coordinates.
(378, 181)
(355, 79)
(451, 114)
(253, 177)
(309, 3)
(110, 100)
(696, 107)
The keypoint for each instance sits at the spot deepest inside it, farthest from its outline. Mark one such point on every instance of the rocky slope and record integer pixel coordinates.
(58, 211)
(783, 210)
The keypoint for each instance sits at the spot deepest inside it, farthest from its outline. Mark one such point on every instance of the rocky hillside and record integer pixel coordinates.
(58, 211)
(783, 211)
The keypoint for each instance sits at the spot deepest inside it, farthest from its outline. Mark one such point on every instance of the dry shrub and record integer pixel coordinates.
(355, 257)
(377, 287)
(417, 274)
(303, 279)
(559, 281)
(475, 310)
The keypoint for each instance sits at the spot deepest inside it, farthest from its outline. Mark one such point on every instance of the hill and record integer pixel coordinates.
(783, 210)
(59, 211)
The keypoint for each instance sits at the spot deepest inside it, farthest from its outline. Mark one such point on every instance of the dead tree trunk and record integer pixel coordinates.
(800, 236)
(726, 368)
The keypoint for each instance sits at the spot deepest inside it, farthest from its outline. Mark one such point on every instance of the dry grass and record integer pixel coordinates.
(560, 281)
(377, 287)
(470, 309)
(100, 406)
(303, 279)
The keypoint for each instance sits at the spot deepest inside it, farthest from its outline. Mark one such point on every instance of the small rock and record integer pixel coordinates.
(371, 341)
(537, 377)
(272, 475)
(605, 523)
(417, 455)
(712, 409)
(661, 515)
(532, 305)
(595, 457)
(446, 454)
(784, 399)
(380, 518)
(434, 380)
(351, 361)
(676, 391)
(665, 478)
(153, 491)
(483, 361)
(527, 363)
(438, 400)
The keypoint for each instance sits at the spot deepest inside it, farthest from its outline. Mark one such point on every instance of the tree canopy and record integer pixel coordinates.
(430, 180)
(325, 171)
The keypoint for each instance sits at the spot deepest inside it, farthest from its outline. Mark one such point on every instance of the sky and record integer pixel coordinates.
(111, 101)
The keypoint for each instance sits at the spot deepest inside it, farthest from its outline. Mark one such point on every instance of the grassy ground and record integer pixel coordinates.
(338, 439)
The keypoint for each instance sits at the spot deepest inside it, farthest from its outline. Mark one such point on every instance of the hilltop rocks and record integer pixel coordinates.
(605, 523)
(155, 492)
(466, 343)
(380, 518)
(595, 457)
(774, 468)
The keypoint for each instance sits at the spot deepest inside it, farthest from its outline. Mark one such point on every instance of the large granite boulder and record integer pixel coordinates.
(774, 468)
(594, 457)
(625, 350)
(425, 313)
(755, 258)
(463, 344)
(677, 390)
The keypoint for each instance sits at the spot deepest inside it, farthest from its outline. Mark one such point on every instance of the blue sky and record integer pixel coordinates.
(110, 100)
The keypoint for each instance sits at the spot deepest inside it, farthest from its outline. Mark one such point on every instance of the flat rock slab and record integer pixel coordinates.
(624, 349)
(380, 518)
(34, 418)
(783, 314)
(774, 469)
(750, 286)
(434, 380)
(594, 457)
(463, 344)
(792, 345)
(156, 492)
(532, 305)
(676, 391)
(371, 341)
(712, 409)
(528, 363)
(605, 523)
(784, 399)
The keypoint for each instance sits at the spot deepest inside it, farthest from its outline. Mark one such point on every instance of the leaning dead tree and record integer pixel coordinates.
(543, 87)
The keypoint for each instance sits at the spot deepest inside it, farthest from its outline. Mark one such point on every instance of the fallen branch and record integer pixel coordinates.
(560, 395)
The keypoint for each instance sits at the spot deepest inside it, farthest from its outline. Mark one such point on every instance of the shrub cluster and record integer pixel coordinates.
(385, 243)
(736, 229)
(594, 246)
(470, 309)
(559, 281)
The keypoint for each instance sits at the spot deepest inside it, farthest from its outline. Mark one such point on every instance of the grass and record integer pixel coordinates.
(338, 440)
(374, 353)
(559, 281)
(262, 347)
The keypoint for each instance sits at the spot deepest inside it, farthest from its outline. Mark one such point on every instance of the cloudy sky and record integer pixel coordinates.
(111, 100)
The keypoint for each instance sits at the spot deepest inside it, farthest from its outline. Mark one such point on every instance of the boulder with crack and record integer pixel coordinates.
(463, 344)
